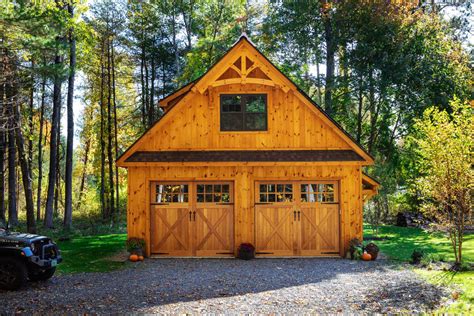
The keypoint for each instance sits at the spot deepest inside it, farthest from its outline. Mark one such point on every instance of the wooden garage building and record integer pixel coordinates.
(243, 155)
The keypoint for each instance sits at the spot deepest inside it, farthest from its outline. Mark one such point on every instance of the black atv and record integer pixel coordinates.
(26, 256)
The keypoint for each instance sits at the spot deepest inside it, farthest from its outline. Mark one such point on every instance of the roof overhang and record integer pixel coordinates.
(370, 187)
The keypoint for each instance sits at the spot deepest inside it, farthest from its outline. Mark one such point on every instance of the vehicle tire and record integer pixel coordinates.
(13, 273)
(42, 275)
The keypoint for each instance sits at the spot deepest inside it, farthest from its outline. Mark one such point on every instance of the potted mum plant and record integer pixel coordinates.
(246, 251)
(135, 246)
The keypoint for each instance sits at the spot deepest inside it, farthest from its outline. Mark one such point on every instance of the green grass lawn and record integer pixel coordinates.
(91, 253)
(402, 241)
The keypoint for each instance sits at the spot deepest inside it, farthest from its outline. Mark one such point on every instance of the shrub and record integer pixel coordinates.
(416, 256)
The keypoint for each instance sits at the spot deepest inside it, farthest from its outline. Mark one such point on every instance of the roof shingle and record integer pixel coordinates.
(245, 156)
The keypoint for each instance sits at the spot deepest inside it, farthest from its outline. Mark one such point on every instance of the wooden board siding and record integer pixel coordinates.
(244, 177)
(195, 124)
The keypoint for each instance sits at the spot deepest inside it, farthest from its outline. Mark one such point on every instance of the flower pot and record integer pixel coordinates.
(246, 251)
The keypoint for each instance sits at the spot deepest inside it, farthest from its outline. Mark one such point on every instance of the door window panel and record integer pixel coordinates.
(213, 193)
(172, 193)
(318, 192)
(278, 193)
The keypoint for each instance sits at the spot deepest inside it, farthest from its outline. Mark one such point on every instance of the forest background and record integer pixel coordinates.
(81, 80)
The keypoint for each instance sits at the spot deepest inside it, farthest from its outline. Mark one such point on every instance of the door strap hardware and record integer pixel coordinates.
(294, 215)
(190, 216)
(299, 213)
(194, 215)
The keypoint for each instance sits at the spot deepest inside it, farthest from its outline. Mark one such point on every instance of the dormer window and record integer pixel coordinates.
(243, 112)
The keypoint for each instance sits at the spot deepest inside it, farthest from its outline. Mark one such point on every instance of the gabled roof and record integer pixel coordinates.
(199, 85)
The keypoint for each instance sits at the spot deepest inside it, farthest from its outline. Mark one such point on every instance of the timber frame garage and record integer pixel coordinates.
(243, 155)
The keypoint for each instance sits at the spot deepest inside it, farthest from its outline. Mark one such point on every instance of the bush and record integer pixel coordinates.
(416, 256)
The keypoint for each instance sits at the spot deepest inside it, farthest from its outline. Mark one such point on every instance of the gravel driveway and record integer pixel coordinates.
(231, 286)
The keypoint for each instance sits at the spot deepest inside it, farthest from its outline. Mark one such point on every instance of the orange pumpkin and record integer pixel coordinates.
(141, 258)
(133, 258)
(366, 256)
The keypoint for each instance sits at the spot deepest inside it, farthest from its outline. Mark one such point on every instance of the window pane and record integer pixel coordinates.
(280, 198)
(217, 197)
(289, 188)
(255, 103)
(263, 198)
(231, 103)
(225, 198)
(289, 197)
(231, 122)
(271, 198)
(200, 188)
(255, 121)
(225, 188)
(208, 197)
(208, 188)
(279, 187)
(271, 188)
(217, 188)
(329, 187)
(263, 188)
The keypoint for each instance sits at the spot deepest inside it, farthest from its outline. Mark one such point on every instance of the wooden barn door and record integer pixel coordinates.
(297, 218)
(192, 219)
(214, 219)
(274, 219)
(318, 217)
(170, 220)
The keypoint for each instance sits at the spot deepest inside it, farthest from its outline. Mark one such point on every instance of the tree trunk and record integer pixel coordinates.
(2, 155)
(40, 152)
(151, 115)
(83, 177)
(115, 134)
(12, 182)
(330, 52)
(30, 120)
(109, 134)
(70, 126)
(53, 147)
(142, 81)
(102, 143)
(26, 172)
(2, 172)
(359, 113)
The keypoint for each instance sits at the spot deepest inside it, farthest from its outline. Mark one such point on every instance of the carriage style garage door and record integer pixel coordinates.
(297, 218)
(192, 219)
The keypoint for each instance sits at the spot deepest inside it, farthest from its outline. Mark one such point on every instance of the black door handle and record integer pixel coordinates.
(190, 214)
(299, 212)
(294, 215)
(194, 213)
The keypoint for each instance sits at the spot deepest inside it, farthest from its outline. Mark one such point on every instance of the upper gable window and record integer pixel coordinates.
(243, 112)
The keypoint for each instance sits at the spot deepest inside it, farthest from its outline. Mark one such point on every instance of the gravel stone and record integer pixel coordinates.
(232, 286)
